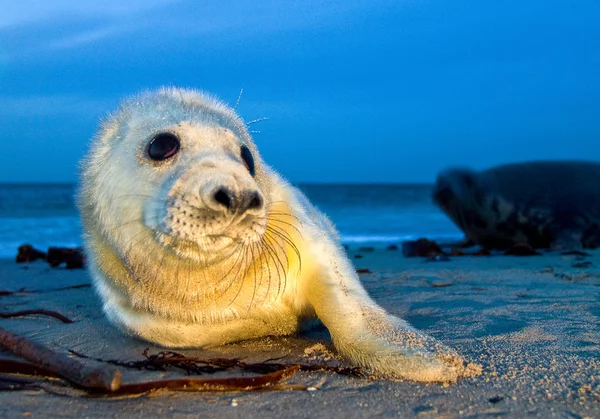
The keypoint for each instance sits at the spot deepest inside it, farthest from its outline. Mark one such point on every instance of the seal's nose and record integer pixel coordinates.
(241, 202)
(223, 197)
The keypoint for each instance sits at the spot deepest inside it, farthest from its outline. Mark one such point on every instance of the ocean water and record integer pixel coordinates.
(45, 214)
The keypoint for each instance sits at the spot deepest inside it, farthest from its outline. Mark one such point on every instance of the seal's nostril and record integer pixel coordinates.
(222, 196)
(256, 201)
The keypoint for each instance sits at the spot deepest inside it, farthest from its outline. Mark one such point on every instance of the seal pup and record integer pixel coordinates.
(194, 241)
(545, 204)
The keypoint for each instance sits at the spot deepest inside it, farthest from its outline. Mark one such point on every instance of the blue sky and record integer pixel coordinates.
(355, 91)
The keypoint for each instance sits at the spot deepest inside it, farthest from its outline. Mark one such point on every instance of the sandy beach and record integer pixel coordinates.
(531, 323)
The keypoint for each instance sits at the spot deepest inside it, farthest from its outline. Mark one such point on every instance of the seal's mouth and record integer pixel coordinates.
(206, 249)
(203, 235)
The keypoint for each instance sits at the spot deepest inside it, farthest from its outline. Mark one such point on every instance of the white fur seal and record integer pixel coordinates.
(195, 242)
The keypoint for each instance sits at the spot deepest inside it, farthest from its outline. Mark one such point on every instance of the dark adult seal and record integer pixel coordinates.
(545, 204)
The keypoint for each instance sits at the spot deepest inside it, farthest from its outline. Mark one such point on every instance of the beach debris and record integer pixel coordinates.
(434, 281)
(27, 253)
(421, 248)
(106, 379)
(258, 382)
(318, 352)
(72, 257)
(495, 399)
(575, 253)
(581, 264)
(363, 271)
(481, 252)
(521, 249)
(163, 360)
(439, 282)
(40, 312)
(425, 410)
(457, 252)
(438, 258)
(42, 361)
(22, 291)
(435, 252)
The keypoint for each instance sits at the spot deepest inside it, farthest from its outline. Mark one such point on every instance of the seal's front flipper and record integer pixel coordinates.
(365, 334)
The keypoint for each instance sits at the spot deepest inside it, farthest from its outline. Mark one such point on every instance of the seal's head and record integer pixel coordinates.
(177, 168)
(471, 203)
(457, 191)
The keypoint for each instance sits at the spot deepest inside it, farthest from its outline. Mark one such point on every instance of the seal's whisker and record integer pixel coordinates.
(277, 220)
(274, 242)
(133, 220)
(133, 242)
(283, 250)
(140, 196)
(243, 277)
(176, 276)
(279, 268)
(256, 121)
(162, 259)
(263, 263)
(253, 258)
(233, 266)
(285, 214)
(261, 251)
(287, 238)
(236, 250)
(271, 254)
(270, 242)
(237, 102)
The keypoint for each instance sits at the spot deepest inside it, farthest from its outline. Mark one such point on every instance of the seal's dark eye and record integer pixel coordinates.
(163, 146)
(248, 159)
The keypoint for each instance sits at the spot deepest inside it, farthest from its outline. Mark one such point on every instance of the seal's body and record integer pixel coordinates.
(546, 204)
(194, 242)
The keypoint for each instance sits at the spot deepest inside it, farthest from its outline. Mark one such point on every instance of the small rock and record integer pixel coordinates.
(440, 283)
(421, 248)
(574, 252)
(521, 249)
(366, 249)
(438, 258)
(72, 257)
(27, 253)
(583, 264)
(457, 252)
(482, 252)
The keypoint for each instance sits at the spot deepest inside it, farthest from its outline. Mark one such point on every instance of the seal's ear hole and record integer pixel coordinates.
(248, 159)
(163, 146)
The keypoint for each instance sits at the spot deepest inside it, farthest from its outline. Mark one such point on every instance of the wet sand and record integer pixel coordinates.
(532, 323)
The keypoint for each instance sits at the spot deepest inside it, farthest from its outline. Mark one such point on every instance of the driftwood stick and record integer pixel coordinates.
(260, 382)
(49, 313)
(13, 366)
(106, 379)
